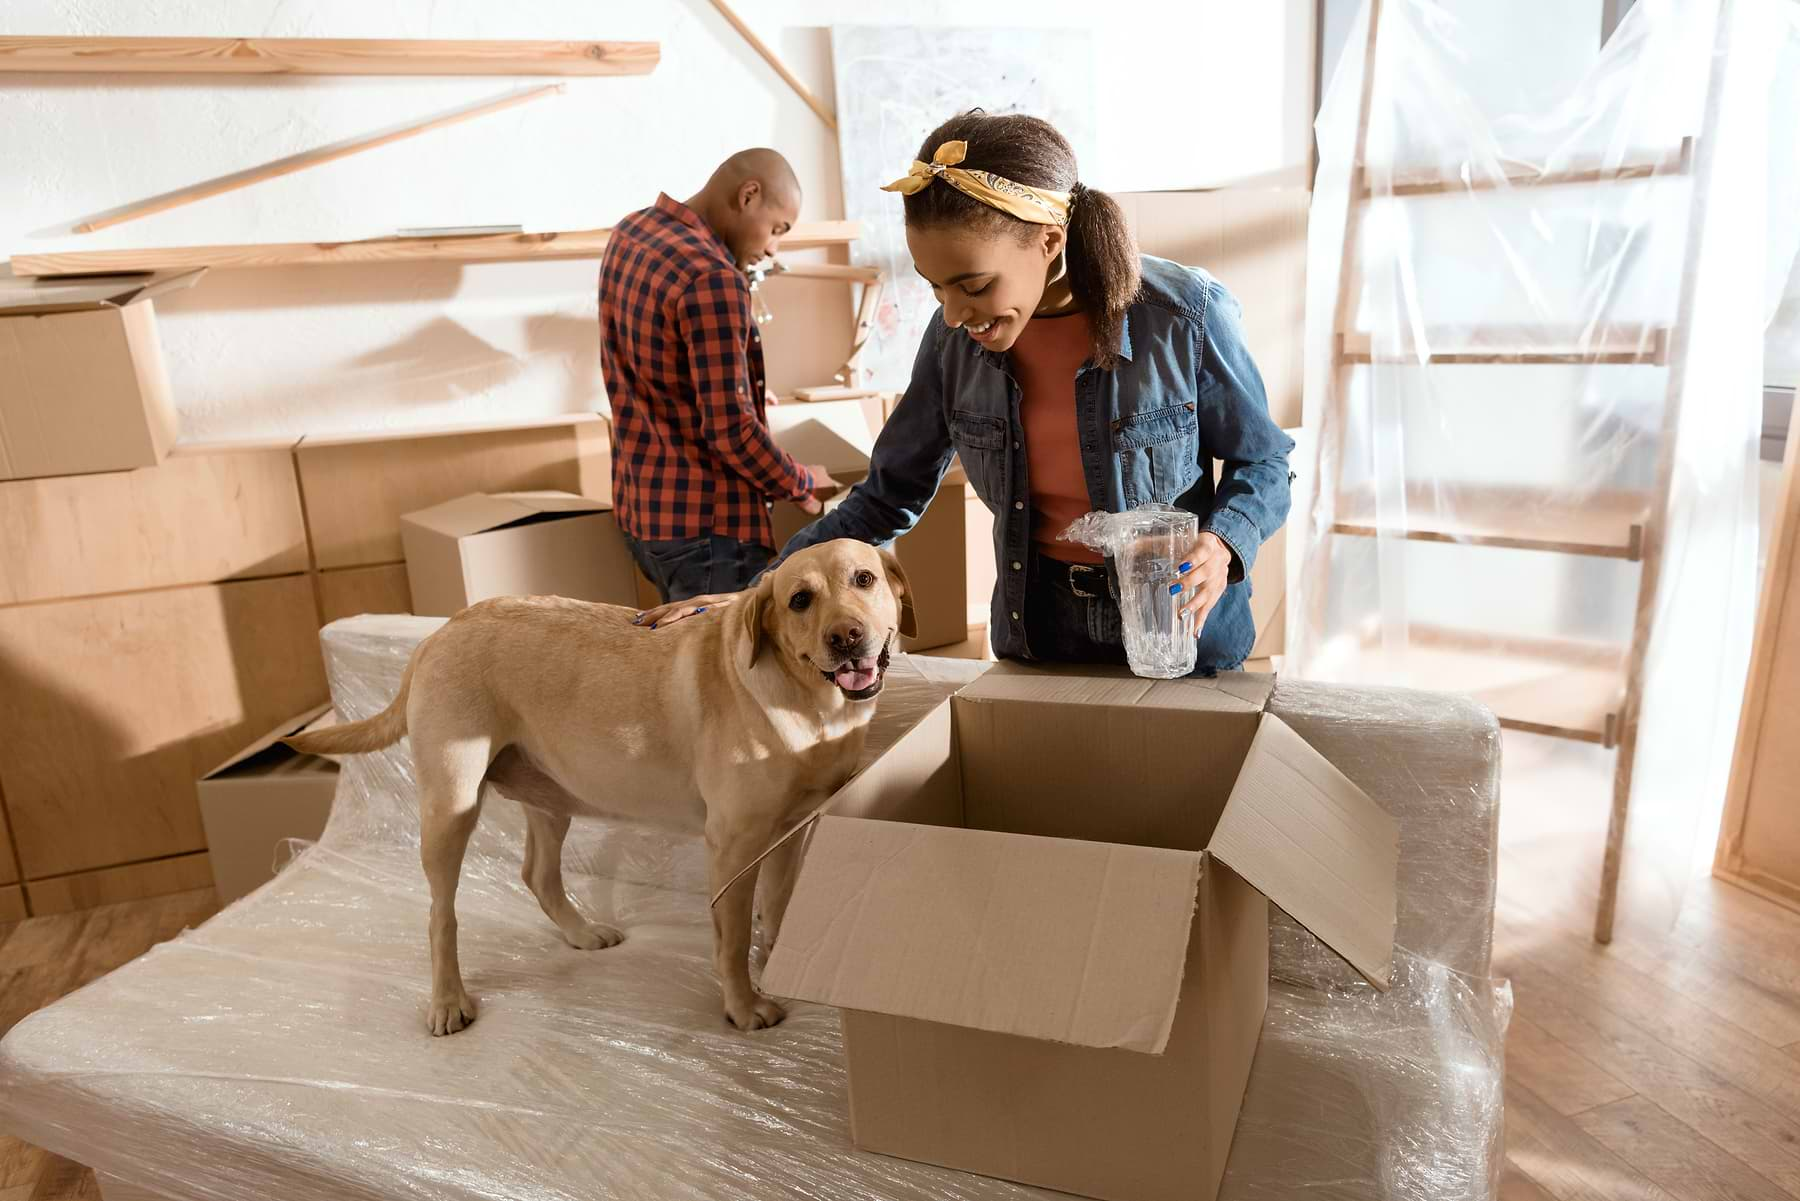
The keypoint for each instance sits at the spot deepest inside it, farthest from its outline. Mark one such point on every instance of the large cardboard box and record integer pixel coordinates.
(83, 387)
(840, 435)
(515, 544)
(258, 799)
(1042, 912)
(111, 707)
(1254, 240)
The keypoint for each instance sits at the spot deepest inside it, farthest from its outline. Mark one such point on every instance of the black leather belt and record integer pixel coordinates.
(1083, 579)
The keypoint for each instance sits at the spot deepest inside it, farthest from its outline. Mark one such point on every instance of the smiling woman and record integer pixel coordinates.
(1069, 374)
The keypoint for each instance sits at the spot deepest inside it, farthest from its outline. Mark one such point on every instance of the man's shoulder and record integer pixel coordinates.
(659, 238)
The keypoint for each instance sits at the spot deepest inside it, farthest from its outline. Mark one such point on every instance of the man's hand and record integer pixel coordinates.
(823, 487)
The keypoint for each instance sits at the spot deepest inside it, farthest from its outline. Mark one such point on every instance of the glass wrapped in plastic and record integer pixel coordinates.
(1146, 546)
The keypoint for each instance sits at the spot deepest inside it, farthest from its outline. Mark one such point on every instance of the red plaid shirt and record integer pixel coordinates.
(683, 366)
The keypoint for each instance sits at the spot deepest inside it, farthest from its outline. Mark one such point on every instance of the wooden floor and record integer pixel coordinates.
(1664, 1066)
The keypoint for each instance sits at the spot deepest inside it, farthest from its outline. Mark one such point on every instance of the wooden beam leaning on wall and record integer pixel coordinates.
(323, 56)
(312, 158)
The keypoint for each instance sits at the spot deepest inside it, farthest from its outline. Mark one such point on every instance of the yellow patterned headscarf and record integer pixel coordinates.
(1040, 206)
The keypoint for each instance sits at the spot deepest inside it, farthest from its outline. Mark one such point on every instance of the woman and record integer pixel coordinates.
(1068, 373)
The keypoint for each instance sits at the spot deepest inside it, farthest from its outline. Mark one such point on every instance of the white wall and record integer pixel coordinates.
(1189, 94)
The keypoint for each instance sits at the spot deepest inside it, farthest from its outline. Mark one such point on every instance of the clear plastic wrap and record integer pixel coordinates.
(1146, 545)
(1534, 385)
(279, 1050)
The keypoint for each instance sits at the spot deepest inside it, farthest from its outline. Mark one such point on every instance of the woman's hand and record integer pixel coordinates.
(668, 615)
(1201, 580)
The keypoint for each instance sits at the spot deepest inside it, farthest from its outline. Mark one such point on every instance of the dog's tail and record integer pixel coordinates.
(354, 738)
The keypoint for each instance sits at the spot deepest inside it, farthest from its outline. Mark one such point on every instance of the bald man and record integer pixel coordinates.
(695, 470)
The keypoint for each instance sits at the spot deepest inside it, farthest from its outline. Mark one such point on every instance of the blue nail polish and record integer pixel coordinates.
(653, 625)
(1187, 567)
(700, 610)
(1174, 588)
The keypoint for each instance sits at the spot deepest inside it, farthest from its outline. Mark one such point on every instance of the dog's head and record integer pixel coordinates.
(832, 613)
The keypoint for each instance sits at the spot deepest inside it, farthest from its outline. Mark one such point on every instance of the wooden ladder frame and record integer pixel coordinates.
(1641, 539)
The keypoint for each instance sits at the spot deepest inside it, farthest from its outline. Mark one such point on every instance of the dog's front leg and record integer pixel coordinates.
(727, 853)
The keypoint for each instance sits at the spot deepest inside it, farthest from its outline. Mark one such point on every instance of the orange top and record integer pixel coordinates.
(1044, 359)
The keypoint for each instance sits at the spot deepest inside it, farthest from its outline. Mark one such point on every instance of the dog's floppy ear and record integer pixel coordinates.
(754, 606)
(901, 588)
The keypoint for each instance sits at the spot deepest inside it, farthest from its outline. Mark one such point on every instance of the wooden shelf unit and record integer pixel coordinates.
(1484, 345)
(479, 248)
(1416, 181)
(322, 56)
(1608, 525)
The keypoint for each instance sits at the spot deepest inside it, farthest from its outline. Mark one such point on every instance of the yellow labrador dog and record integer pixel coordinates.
(735, 724)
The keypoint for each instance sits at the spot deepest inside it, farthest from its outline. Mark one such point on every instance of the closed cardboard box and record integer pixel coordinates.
(1042, 912)
(356, 488)
(113, 706)
(515, 544)
(840, 436)
(83, 387)
(255, 801)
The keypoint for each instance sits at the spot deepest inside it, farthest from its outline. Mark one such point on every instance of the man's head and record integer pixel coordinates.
(750, 202)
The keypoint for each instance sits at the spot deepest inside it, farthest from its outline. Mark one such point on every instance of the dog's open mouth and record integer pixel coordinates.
(860, 679)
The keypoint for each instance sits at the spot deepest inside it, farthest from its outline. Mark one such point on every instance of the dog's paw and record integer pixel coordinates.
(596, 936)
(449, 1016)
(758, 1013)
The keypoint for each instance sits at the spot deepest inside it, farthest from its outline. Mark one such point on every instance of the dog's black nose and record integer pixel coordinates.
(845, 639)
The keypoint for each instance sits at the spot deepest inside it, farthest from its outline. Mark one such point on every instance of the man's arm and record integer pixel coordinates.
(713, 318)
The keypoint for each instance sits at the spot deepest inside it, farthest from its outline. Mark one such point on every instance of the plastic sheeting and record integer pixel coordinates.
(280, 1049)
(1479, 522)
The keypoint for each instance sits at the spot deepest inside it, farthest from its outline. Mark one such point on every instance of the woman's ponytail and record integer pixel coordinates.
(1103, 266)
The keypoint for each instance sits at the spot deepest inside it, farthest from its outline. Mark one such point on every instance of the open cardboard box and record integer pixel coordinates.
(83, 387)
(840, 436)
(1042, 912)
(262, 796)
(515, 544)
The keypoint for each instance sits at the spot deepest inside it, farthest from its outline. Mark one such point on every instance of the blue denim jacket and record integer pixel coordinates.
(1185, 393)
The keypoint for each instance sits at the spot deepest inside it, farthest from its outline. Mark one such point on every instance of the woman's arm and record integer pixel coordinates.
(1253, 496)
(911, 456)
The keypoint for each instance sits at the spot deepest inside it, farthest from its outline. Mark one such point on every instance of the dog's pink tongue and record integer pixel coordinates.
(858, 674)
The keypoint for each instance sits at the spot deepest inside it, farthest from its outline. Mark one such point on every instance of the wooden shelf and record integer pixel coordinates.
(322, 56)
(1434, 182)
(480, 248)
(1608, 525)
(1565, 690)
(1648, 344)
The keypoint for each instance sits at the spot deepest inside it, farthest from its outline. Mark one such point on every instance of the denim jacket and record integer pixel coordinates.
(1185, 393)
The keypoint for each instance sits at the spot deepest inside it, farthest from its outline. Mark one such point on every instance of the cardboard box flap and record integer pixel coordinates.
(36, 298)
(312, 719)
(1315, 844)
(813, 441)
(479, 512)
(1048, 938)
(1233, 692)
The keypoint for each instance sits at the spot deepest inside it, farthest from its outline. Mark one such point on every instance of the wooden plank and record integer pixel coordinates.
(1759, 837)
(306, 160)
(844, 272)
(1570, 1163)
(357, 590)
(774, 60)
(1606, 525)
(1556, 1072)
(1383, 182)
(201, 517)
(324, 56)
(1515, 1185)
(109, 886)
(1523, 345)
(9, 859)
(12, 903)
(356, 489)
(477, 248)
(1673, 1155)
(114, 705)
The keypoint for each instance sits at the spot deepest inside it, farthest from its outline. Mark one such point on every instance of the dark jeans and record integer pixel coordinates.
(1072, 616)
(683, 568)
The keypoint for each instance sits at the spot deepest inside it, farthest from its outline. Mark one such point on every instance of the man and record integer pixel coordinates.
(695, 469)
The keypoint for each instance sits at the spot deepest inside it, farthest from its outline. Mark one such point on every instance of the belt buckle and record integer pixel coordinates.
(1080, 573)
